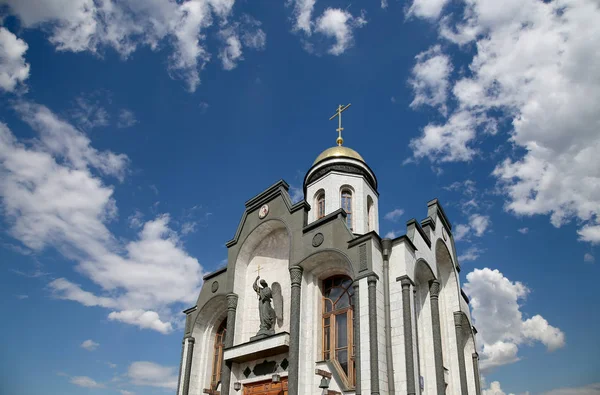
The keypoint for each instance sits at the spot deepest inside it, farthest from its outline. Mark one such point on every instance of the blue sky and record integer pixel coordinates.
(132, 133)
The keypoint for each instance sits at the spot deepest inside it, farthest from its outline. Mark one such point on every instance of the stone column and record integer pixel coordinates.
(356, 328)
(408, 340)
(188, 364)
(373, 344)
(434, 293)
(476, 371)
(458, 326)
(294, 353)
(181, 367)
(232, 300)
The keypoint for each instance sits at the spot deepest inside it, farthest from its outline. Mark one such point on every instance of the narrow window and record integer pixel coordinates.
(218, 355)
(347, 206)
(370, 214)
(338, 324)
(320, 205)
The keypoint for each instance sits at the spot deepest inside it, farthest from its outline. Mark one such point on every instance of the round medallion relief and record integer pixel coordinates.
(318, 239)
(215, 286)
(263, 211)
(444, 234)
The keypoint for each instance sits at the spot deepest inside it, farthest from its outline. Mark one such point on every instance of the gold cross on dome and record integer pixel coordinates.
(338, 114)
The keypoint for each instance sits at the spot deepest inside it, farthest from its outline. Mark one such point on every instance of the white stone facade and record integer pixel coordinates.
(407, 266)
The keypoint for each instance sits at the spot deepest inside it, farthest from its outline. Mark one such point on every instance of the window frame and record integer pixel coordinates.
(350, 198)
(330, 353)
(320, 198)
(217, 354)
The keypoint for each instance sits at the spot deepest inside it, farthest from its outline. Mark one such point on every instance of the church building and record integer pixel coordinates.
(314, 301)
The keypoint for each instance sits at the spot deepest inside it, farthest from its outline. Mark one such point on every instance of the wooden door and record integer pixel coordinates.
(267, 388)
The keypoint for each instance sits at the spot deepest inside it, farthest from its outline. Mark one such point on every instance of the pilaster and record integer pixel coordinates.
(356, 304)
(458, 326)
(434, 293)
(232, 300)
(188, 364)
(406, 283)
(373, 344)
(294, 351)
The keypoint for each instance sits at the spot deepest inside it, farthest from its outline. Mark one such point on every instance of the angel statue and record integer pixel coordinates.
(268, 314)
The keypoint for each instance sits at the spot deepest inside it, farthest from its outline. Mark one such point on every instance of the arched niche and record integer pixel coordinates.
(264, 252)
(204, 330)
(423, 275)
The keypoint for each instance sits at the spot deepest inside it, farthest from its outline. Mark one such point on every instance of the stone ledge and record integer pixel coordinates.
(260, 348)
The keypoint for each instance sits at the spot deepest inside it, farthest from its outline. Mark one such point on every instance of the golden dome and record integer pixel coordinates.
(338, 151)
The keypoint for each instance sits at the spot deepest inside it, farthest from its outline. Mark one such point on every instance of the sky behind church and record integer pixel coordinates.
(132, 132)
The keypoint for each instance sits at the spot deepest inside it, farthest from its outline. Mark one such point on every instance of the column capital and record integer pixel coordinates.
(296, 275)
(371, 280)
(434, 288)
(405, 281)
(232, 300)
(475, 355)
(189, 339)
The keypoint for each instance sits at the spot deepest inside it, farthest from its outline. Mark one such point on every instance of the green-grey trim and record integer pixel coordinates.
(372, 235)
(232, 300)
(215, 273)
(386, 247)
(428, 222)
(411, 225)
(405, 239)
(340, 212)
(295, 311)
(408, 342)
(188, 365)
(190, 310)
(475, 357)
(345, 167)
(464, 296)
(458, 326)
(439, 210)
(373, 344)
(438, 357)
(356, 307)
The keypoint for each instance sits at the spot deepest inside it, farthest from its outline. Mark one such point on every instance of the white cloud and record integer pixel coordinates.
(247, 32)
(88, 25)
(142, 319)
(495, 389)
(151, 374)
(392, 234)
(429, 9)
(589, 258)
(86, 382)
(394, 215)
(51, 198)
(89, 345)
(13, 68)
(297, 194)
(523, 230)
(303, 10)
(126, 118)
(592, 389)
(339, 24)
(125, 392)
(471, 254)
(21, 297)
(478, 224)
(497, 314)
(430, 79)
(188, 227)
(232, 51)
(534, 70)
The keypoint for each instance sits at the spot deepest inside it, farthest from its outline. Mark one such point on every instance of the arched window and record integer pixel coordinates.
(370, 214)
(320, 203)
(347, 206)
(338, 342)
(218, 355)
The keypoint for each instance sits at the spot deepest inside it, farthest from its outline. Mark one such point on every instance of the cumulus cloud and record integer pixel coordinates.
(86, 382)
(13, 68)
(88, 25)
(333, 23)
(394, 215)
(339, 24)
(523, 231)
(145, 373)
(428, 9)
(497, 314)
(478, 224)
(471, 254)
(89, 345)
(89, 113)
(53, 194)
(247, 32)
(533, 69)
(588, 258)
(430, 79)
(494, 389)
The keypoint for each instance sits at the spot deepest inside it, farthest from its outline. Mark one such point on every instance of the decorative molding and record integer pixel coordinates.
(214, 286)
(434, 288)
(318, 239)
(349, 168)
(296, 275)
(405, 281)
(362, 257)
(232, 300)
(321, 221)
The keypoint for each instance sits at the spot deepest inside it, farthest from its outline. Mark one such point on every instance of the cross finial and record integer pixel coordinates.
(258, 269)
(338, 114)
